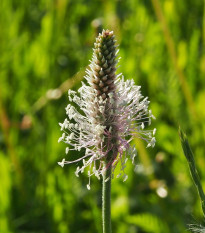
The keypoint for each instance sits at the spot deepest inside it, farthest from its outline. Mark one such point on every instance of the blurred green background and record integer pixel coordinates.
(45, 47)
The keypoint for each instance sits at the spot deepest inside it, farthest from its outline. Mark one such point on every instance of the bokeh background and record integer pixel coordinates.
(45, 47)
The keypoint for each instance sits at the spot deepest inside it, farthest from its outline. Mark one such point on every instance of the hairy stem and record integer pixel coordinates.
(106, 201)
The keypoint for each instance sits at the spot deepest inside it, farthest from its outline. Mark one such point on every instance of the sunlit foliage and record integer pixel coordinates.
(45, 47)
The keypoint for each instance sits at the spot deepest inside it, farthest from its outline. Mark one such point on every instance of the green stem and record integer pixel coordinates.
(192, 166)
(106, 201)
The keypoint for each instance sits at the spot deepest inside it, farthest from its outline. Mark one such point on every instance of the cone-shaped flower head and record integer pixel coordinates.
(109, 113)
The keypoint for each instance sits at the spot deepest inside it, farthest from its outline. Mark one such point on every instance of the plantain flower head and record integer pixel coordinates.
(105, 115)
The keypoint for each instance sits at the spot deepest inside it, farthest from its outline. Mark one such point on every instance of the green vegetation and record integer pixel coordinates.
(192, 166)
(45, 46)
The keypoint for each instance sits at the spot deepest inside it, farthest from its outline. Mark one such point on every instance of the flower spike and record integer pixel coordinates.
(112, 112)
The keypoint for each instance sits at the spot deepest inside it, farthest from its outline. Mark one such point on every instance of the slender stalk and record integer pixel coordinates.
(192, 166)
(173, 55)
(106, 201)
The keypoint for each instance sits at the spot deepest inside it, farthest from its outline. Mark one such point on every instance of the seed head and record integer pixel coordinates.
(101, 75)
(111, 112)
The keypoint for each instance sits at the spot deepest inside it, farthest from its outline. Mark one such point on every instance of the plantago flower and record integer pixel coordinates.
(109, 112)
(196, 228)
